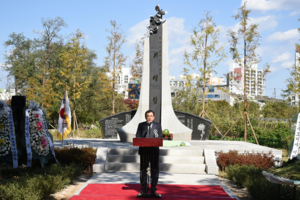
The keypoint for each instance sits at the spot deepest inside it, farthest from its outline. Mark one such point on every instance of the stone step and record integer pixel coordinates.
(163, 152)
(163, 167)
(162, 159)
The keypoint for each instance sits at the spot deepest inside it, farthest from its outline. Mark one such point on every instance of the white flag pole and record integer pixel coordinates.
(64, 119)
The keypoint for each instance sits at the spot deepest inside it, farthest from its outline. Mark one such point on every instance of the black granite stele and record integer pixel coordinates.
(155, 66)
(18, 106)
(111, 124)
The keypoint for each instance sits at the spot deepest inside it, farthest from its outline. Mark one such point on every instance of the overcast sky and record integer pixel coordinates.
(277, 19)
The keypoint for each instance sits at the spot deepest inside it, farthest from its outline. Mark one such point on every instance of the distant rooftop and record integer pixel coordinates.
(298, 49)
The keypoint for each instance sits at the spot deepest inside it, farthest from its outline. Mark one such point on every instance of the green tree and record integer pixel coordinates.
(246, 55)
(136, 67)
(187, 97)
(293, 82)
(206, 54)
(115, 59)
(75, 59)
(49, 36)
(19, 60)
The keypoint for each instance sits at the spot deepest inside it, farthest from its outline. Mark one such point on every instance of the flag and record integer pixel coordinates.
(64, 120)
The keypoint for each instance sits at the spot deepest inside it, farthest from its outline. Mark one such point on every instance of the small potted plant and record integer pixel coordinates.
(171, 136)
(165, 134)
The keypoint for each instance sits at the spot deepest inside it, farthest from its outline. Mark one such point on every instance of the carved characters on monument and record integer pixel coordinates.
(201, 128)
(155, 100)
(294, 150)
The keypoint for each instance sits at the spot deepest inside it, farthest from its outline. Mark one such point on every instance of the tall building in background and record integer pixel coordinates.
(295, 98)
(254, 80)
(216, 87)
(122, 81)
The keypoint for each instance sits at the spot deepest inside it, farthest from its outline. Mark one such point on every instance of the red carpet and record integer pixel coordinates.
(129, 191)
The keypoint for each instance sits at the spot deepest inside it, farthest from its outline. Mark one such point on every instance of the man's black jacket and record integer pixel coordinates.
(155, 132)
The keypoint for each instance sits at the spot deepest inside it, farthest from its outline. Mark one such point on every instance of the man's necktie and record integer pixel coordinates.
(148, 129)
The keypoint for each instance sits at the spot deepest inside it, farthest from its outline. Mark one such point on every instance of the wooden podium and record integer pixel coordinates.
(148, 142)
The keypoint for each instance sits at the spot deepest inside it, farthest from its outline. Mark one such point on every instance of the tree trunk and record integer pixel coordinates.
(204, 71)
(245, 94)
(114, 77)
(16, 86)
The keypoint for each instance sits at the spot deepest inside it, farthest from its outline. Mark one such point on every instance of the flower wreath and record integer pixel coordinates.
(5, 146)
(38, 136)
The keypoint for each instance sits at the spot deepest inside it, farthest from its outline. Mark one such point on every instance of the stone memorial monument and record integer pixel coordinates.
(155, 89)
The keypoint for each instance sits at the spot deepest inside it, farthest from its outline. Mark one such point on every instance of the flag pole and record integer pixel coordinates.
(64, 121)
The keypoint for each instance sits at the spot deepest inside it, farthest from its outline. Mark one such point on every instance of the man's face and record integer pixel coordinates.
(150, 117)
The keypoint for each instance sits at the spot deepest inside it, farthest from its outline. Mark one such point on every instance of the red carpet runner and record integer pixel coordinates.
(168, 192)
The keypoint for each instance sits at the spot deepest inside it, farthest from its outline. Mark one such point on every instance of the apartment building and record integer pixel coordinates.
(254, 80)
(122, 81)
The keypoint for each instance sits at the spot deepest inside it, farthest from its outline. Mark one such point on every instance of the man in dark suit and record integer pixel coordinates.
(149, 129)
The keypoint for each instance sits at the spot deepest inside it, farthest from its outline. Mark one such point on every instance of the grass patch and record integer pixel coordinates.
(92, 133)
(39, 183)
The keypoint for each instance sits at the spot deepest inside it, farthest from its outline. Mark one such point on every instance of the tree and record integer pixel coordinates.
(206, 54)
(247, 55)
(115, 58)
(136, 67)
(293, 82)
(49, 36)
(19, 60)
(187, 97)
(75, 59)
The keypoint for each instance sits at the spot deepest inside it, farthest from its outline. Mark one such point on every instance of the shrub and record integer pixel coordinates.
(257, 185)
(262, 160)
(275, 138)
(84, 157)
(39, 183)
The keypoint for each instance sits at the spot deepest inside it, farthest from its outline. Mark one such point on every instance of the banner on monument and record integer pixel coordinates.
(295, 149)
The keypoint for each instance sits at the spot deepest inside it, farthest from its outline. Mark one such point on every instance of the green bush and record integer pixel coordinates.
(84, 157)
(39, 183)
(258, 186)
(277, 138)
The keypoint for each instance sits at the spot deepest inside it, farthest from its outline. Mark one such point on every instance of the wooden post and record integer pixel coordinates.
(77, 127)
(252, 129)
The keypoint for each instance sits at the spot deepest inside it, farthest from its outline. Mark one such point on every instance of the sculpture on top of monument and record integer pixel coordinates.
(156, 20)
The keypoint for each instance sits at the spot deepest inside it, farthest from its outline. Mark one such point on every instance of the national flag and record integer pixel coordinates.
(64, 120)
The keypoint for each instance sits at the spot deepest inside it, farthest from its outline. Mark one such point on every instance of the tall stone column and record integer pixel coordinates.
(155, 87)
